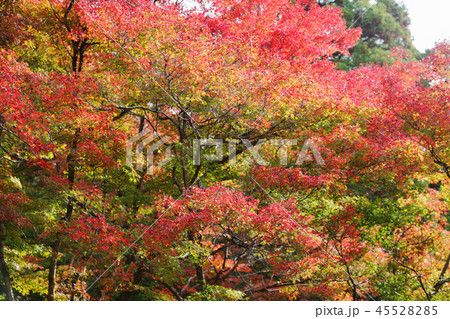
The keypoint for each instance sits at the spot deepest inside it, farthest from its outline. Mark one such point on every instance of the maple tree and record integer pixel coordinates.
(86, 77)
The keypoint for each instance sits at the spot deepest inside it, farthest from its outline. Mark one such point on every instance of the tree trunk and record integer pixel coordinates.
(52, 270)
(69, 211)
(3, 267)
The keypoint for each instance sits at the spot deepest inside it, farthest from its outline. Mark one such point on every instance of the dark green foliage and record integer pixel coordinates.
(385, 25)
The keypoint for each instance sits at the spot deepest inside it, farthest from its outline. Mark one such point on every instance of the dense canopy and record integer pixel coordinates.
(355, 207)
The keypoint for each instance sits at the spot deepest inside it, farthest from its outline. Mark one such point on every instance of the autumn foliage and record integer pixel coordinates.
(78, 79)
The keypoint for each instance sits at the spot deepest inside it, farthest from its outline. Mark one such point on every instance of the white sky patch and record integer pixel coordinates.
(430, 22)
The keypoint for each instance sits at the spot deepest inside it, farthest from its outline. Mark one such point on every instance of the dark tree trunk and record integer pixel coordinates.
(52, 270)
(3, 266)
(69, 211)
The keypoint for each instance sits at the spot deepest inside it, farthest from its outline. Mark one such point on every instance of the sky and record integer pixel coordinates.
(430, 21)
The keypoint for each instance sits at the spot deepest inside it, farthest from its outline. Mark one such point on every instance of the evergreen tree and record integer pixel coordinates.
(385, 25)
